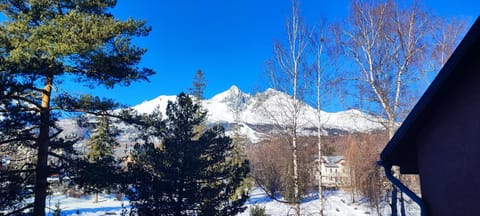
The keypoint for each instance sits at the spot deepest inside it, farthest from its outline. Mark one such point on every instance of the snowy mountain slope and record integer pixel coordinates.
(160, 102)
(267, 109)
(257, 115)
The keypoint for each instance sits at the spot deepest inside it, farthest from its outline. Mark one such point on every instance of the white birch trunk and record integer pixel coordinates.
(319, 127)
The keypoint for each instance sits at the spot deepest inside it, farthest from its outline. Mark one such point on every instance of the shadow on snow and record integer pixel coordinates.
(256, 199)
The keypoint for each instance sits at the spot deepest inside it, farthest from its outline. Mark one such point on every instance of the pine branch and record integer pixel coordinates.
(19, 211)
(17, 140)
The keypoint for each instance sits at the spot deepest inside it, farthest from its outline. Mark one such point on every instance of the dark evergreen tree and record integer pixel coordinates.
(12, 187)
(198, 85)
(101, 157)
(44, 43)
(223, 175)
(187, 174)
(238, 154)
(16, 136)
(102, 142)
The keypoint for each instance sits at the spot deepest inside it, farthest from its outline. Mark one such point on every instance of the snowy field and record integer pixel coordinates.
(107, 205)
(336, 203)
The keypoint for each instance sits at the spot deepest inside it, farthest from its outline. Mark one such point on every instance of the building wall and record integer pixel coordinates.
(449, 149)
(334, 174)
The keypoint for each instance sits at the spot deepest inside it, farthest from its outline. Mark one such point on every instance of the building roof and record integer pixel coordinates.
(401, 150)
(332, 160)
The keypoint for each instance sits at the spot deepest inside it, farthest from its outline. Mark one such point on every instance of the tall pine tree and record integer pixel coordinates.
(198, 85)
(187, 173)
(101, 156)
(42, 44)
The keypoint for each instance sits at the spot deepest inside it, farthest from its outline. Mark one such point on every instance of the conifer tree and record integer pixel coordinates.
(43, 43)
(102, 142)
(186, 175)
(101, 156)
(198, 85)
(239, 141)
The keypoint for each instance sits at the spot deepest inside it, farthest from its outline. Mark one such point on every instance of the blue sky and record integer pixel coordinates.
(229, 40)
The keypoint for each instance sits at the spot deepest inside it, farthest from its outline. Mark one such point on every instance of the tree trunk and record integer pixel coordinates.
(353, 183)
(320, 192)
(295, 176)
(319, 138)
(41, 171)
(95, 200)
(396, 173)
(394, 201)
(294, 140)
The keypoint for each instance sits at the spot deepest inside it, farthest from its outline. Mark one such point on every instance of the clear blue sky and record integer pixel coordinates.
(229, 40)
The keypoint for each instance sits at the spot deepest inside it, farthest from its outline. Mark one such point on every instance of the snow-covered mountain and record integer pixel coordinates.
(263, 112)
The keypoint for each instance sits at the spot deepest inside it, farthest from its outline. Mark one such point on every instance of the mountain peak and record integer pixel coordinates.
(234, 88)
(150, 105)
(232, 92)
(270, 92)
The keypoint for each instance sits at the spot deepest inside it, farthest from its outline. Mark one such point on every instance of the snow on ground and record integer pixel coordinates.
(336, 203)
(107, 205)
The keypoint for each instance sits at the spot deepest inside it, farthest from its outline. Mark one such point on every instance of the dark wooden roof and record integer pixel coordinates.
(401, 150)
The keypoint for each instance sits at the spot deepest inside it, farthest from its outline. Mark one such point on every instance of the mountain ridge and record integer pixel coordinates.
(268, 108)
(258, 116)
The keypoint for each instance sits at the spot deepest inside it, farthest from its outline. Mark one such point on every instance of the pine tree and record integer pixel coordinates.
(44, 43)
(238, 140)
(11, 188)
(103, 142)
(196, 91)
(198, 85)
(224, 175)
(187, 175)
(101, 157)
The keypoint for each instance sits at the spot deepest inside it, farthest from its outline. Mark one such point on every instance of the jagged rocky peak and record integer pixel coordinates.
(232, 92)
(233, 97)
(271, 93)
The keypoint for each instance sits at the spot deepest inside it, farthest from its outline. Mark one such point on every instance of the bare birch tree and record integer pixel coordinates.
(388, 48)
(318, 46)
(384, 42)
(289, 73)
(445, 35)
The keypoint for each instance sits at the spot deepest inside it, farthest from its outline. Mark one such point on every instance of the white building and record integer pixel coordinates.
(335, 172)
